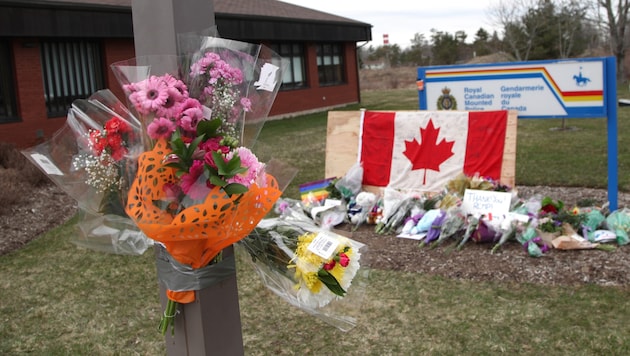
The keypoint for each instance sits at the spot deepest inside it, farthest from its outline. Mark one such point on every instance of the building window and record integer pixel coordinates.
(330, 64)
(72, 70)
(8, 106)
(295, 75)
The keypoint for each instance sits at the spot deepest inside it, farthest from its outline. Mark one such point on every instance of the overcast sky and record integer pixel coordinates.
(401, 19)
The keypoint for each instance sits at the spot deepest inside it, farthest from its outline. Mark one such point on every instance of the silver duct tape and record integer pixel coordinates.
(179, 277)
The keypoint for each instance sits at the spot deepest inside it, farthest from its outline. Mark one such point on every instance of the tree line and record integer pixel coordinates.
(529, 30)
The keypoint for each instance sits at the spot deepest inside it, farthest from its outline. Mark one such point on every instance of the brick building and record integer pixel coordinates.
(53, 52)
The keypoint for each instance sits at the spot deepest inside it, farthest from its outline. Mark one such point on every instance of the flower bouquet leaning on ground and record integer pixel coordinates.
(314, 269)
(199, 189)
(92, 158)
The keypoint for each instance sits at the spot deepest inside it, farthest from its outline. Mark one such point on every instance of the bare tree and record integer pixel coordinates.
(613, 16)
(518, 38)
(569, 25)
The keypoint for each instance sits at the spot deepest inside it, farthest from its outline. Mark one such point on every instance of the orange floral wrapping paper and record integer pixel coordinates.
(199, 232)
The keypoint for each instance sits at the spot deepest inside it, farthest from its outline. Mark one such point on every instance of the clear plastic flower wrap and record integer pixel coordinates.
(314, 269)
(92, 158)
(199, 187)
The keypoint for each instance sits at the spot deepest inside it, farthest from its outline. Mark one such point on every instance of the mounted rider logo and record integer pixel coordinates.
(580, 80)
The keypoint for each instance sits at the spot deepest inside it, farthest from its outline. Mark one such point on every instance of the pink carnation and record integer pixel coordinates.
(249, 161)
(246, 104)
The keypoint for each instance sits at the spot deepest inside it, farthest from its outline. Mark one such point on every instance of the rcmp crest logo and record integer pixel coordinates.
(446, 101)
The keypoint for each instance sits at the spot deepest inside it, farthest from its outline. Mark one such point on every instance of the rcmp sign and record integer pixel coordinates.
(536, 89)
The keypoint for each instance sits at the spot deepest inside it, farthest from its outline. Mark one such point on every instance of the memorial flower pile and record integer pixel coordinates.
(539, 224)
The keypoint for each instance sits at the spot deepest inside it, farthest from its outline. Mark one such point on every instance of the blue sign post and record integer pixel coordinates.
(571, 88)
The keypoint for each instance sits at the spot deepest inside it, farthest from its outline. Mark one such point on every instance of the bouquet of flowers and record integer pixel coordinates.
(312, 268)
(92, 158)
(198, 188)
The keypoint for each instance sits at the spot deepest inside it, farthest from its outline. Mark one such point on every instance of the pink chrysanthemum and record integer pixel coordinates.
(161, 128)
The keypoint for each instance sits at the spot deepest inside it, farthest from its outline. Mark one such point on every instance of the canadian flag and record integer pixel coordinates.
(423, 150)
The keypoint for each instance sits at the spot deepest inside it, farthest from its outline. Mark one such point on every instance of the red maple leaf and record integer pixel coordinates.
(429, 154)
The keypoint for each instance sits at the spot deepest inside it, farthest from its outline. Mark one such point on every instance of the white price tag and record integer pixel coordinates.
(46, 164)
(323, 245)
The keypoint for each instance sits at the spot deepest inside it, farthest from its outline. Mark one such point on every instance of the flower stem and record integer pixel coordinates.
(168, 319)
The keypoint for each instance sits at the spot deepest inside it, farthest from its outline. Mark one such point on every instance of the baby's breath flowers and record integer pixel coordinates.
(102, 171)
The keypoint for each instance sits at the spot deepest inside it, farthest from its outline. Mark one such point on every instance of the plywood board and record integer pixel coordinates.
(342, 145)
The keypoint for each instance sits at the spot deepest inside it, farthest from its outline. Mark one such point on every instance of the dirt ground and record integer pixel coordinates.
(49, 207)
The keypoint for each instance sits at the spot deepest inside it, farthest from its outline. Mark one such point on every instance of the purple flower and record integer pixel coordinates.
(436, 226)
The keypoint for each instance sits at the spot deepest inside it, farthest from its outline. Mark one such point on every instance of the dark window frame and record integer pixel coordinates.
(295, 76)
(330, 64)
(8, 94)
(71, 69)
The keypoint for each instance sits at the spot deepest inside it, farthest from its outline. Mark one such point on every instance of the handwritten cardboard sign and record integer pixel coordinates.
(488, 203)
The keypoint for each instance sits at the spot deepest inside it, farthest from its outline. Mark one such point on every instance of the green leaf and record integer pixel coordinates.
(234, 167)
(180, 166)
(235, 188)
(331, 282)
(193, 145)
(217, 157)
(210, 171)
(177, 145)
(208, 127)
(218, 181)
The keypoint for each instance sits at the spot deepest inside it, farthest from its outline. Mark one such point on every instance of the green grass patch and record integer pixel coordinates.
(58, 299)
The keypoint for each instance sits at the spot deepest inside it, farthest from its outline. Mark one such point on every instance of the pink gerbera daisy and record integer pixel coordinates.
(191, 114)
(151, 95)
(161, 128)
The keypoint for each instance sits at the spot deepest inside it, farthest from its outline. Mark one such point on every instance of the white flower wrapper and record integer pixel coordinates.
(81, 160)
(275, 254)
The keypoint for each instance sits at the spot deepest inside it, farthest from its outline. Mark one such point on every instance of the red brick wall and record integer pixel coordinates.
(116, 50)
(35, 126)
(31, 105)
(314, 96)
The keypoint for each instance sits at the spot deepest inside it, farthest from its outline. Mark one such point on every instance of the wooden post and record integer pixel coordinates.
(211, 325)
